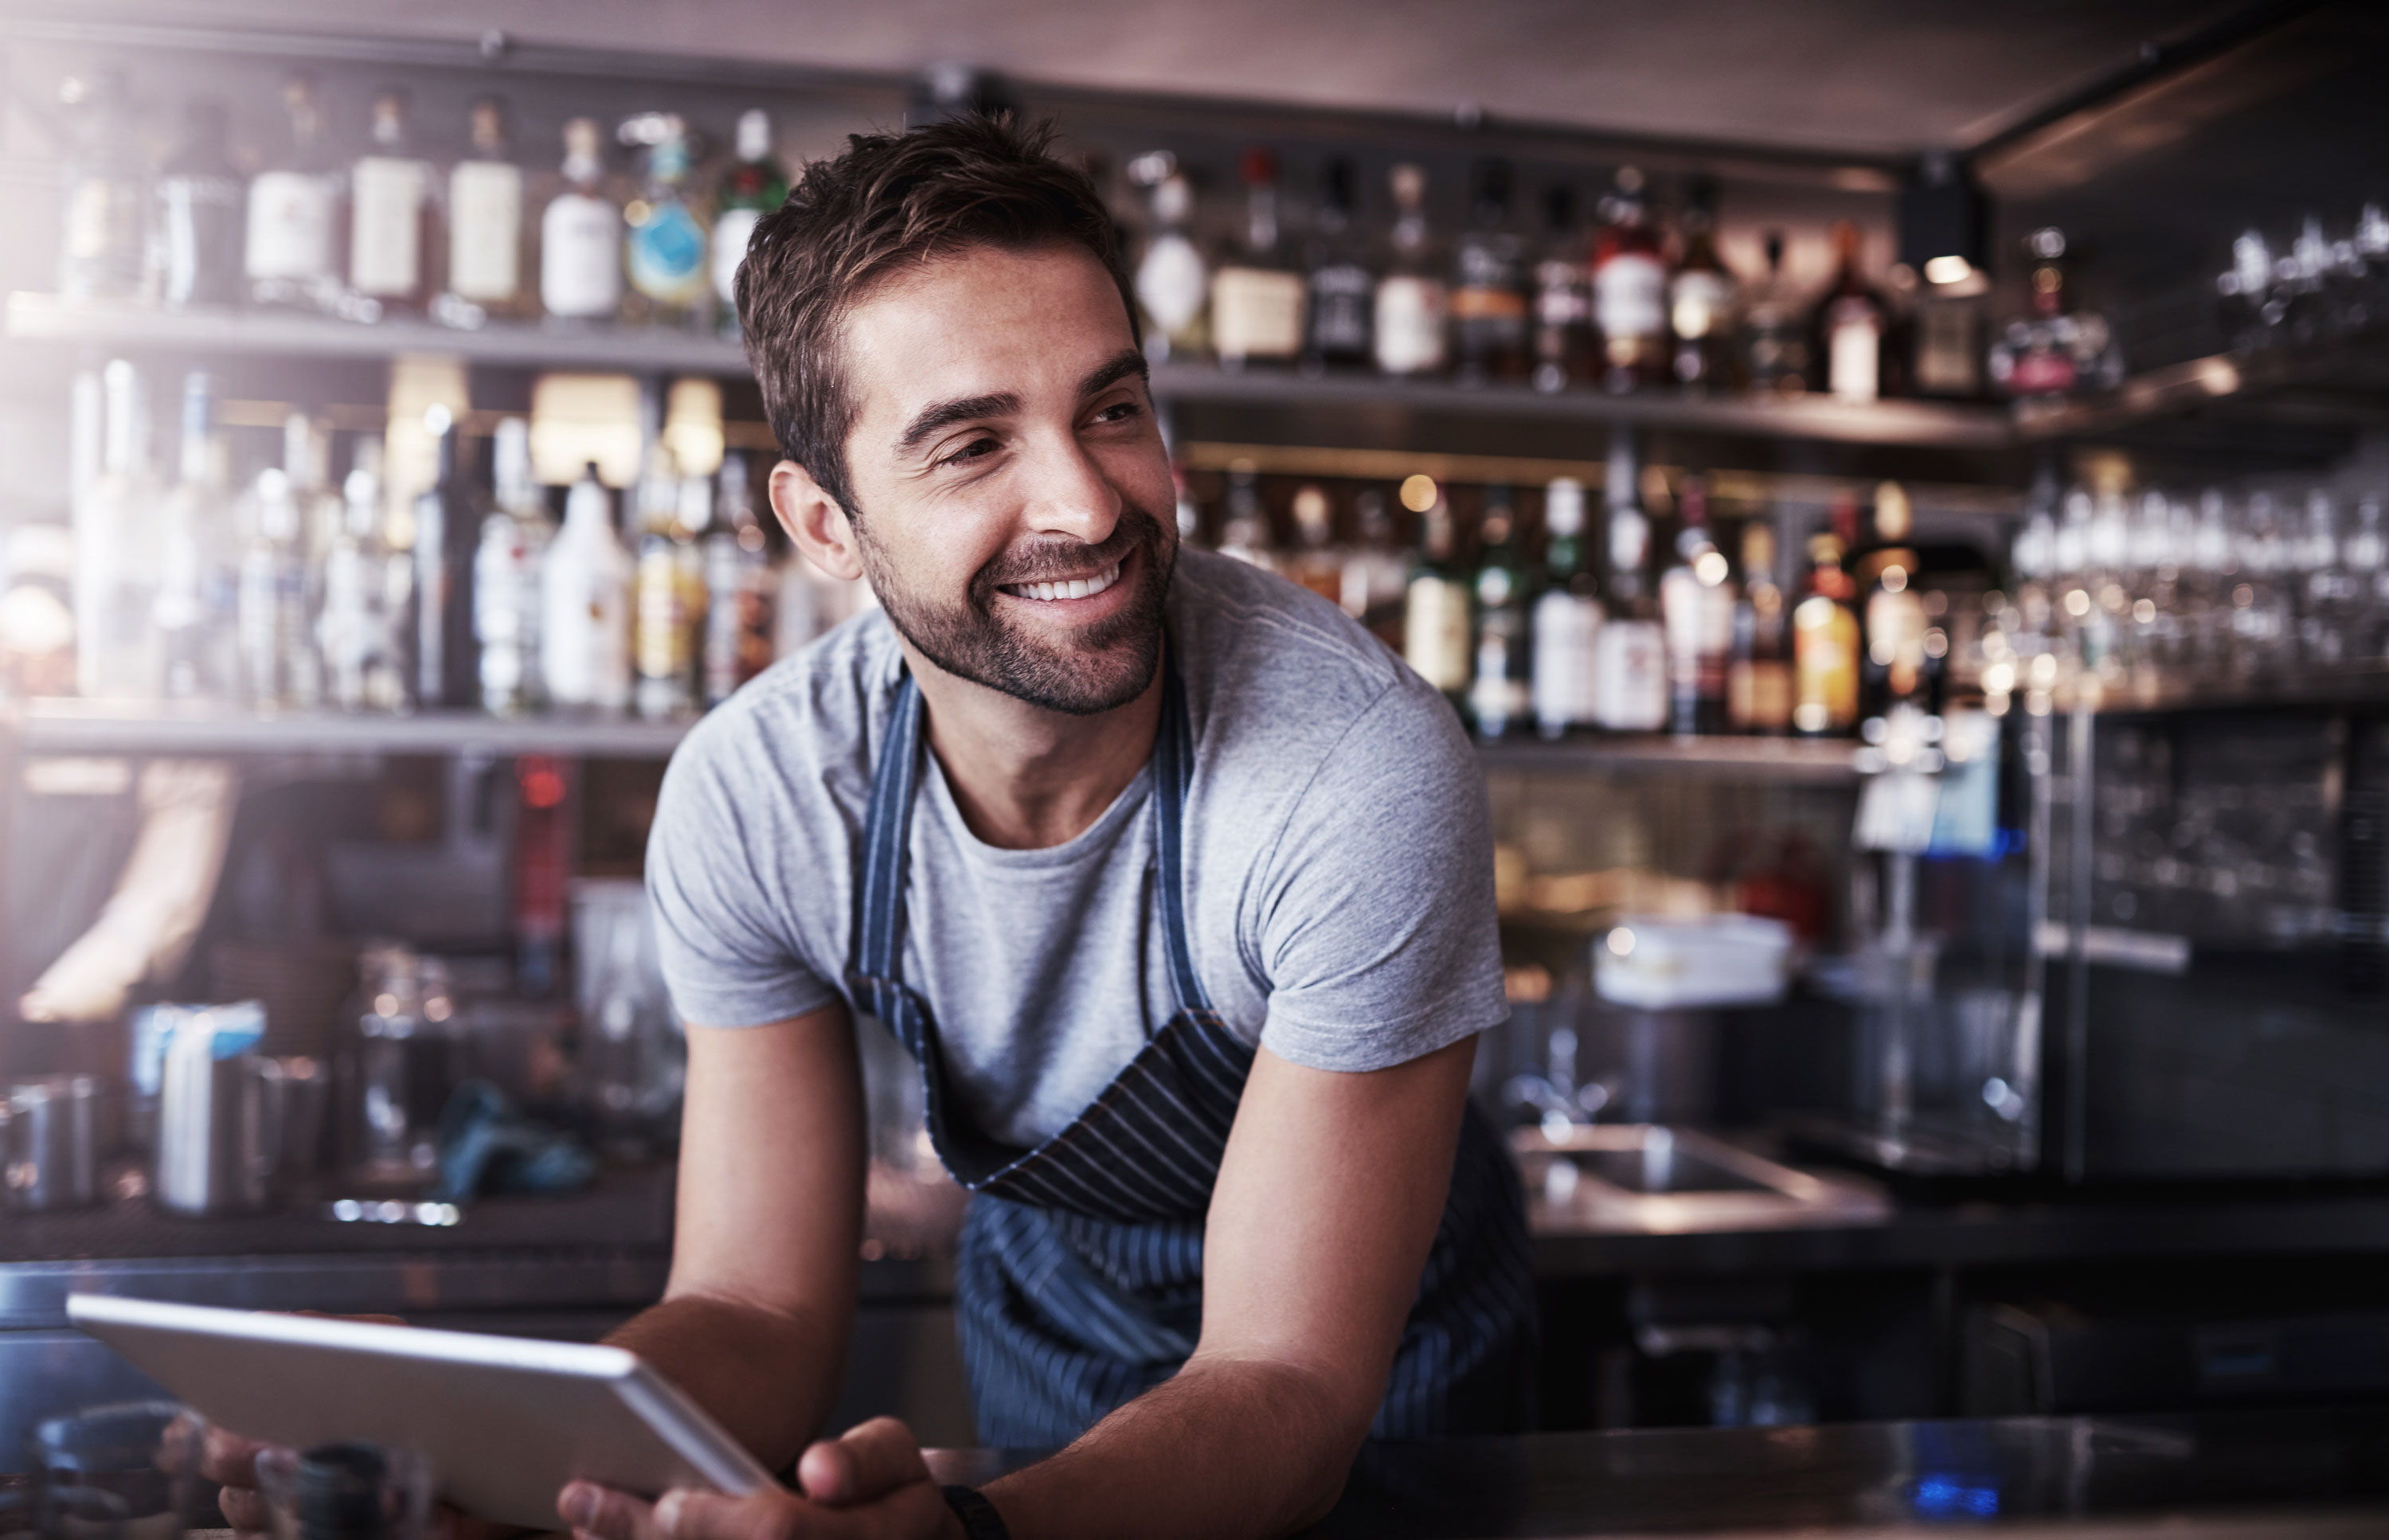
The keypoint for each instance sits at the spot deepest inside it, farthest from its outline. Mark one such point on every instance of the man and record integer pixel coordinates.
(1174, 882)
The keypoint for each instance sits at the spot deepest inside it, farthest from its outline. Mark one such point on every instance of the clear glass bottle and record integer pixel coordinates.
(1890, 572)
(1498, 693)
(291, 255)
(664, 250)
(367, 591)
(1567, 618)
(1255, 295)
(1774, 337)
(1630, 651)
(486, 227)
(1851, 326)
(394, 215)
(1489, 329)
(104, 229)
(1411, 302)
(1436, 621)
(1629, 289)
(585, 624)
(271, 603)
(1700, 300)
(200, 220)
(1172, 283)
(755, 184)
(515, 535)
(1246, 534)
(1696, 602)
(580, 234)
(739, 589)
(197, 562)
(1340, 314)
(1563, 341)
(118, 541)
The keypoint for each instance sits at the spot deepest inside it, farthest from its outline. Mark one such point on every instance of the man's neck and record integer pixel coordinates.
(1027, 778)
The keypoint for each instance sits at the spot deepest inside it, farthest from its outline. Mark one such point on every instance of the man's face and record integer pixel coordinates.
(1013, 502)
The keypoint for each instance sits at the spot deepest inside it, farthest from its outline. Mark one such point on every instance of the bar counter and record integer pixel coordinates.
(2279, 1475)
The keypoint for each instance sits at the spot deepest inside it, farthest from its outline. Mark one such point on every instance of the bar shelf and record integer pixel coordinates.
(79, 727)
(1806, 761)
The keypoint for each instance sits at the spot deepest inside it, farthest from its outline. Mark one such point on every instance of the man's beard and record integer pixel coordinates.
(1107, 665)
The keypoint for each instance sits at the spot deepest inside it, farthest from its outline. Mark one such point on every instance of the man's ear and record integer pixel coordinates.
(814, 521)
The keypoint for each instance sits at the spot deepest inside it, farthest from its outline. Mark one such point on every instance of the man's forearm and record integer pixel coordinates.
(767, 1376)
(1228, 1447)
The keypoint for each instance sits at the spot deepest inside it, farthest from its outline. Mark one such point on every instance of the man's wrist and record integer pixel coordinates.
(978, 1516)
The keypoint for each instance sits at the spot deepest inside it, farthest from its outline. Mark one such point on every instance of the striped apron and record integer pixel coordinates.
(1079, 1281)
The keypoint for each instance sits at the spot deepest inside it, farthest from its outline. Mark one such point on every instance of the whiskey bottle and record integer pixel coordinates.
(1375, 572)
(581, 236)
(1244, 535)
(103, 231)
(392, 219)
(291, 254)
(1342, 287)
(1700, 300)
(755, 184)
(1490, 332)
(1825, 637)
(1564, 342)
(1758, 679)
(1851, 326)
(1696, 609)
(1630, 655)
(1629, 289)
(1317, 562)
(1255, 295)
(199, 216)
(1567, 618)
(1411, 305)
(1173, 283)
(1774, 336)
(2054, 351)
(1498, 698)
(485, 226)
(1890, 572)
(1435, 616)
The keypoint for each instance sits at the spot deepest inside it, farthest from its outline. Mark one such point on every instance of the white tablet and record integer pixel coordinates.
(505, 1421)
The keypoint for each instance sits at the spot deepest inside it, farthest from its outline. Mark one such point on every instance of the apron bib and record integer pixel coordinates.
(1079, 1280)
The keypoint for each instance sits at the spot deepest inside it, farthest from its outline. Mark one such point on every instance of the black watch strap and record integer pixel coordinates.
(980, 1520)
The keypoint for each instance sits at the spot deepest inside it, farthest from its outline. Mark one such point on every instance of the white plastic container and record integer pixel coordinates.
(1670, 965)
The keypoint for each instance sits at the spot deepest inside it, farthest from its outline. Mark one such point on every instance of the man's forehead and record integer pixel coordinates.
(981, 321)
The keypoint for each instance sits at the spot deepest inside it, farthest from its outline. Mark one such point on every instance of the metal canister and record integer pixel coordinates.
(52, 1143)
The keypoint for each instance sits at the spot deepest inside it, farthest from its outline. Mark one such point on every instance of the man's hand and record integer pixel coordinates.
(870, 1485)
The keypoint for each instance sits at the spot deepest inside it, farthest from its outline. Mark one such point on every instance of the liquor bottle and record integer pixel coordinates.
(485, 226)
(196, 578)
(1255, 296)
(1498, 699)
(117, 549)
(1825, 637)
(291, 255)
(276, 665)
(366, 595)
(1435, 615)
(1245, 533)
(1949, 345)
(1888, 572)
(1758, 679)
(1171, 282)
(664, 249)
(1411, 299)
(103, 249)
(1696, 609)
(661, 652)
(447, 533)
(1847, 330)
(586, 602)
(1376, 575)
(738, 620)
(1563, 341)
(581, 236)
(1700, 300)
(755, 184)
(391, 215)
(201, 221)
(1629, 289)
(1316, 562)
(2056, 351)
(1342, 287)
(1489, 333)
(1567, 618)
(507, 576)
(1631, 650)
(1774, 337)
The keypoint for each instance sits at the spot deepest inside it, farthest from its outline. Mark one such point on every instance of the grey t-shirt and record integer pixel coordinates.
(1338, 864)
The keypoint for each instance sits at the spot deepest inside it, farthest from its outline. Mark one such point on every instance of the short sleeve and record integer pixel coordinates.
(720, 934)
(1379, 936)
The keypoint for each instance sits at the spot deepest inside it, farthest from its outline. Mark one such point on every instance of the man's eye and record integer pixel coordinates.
(976, 449)
(1118, 412)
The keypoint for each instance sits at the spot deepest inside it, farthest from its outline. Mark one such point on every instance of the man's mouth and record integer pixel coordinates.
(1068, 588)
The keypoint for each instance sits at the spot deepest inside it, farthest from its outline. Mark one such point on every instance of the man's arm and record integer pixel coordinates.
(1327, 1202)
(754, 1321)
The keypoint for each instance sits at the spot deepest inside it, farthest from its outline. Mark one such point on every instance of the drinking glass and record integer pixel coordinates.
(348, 1491)
(132, 1468)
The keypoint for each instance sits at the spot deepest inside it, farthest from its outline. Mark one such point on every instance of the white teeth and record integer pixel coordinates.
(1076, 588)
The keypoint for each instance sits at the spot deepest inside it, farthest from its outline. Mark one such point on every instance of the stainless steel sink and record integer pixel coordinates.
(1650, 1177)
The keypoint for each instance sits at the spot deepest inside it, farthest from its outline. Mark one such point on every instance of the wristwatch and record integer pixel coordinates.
(980, 1520)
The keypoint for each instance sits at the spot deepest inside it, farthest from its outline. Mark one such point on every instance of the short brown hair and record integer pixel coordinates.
(892, 201)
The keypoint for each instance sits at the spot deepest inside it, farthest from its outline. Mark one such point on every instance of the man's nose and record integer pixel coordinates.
(1067, 493)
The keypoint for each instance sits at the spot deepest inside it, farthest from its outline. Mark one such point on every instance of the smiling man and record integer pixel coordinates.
(1175, 884)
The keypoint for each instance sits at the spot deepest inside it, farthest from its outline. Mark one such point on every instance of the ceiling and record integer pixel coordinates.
(1856, 77)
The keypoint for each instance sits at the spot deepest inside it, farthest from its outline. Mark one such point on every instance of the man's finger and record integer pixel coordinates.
(681, 1514)
(243, 1509)
(870, 1460)
(601, 1511)
(229, 1458)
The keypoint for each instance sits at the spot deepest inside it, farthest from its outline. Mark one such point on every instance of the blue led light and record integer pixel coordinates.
(1945, 1498)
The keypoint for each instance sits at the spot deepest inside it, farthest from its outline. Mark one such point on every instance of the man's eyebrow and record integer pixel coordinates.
(1126, 362)
(945, 414)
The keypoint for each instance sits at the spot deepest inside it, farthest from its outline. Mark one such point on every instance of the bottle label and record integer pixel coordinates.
(1630, 677)
(1947, 363)
(1170, 284)
(386, 226)
(1630, 296)
(581, 257)
(485, 231)
(1824, 666)
(1567, 631)
(1853, 350)
(1435, 632)
(1699, 302)
(1410, 324)
(1560, 296)
(731, 233)
(1340, 297)
(289, 226)
(667, 255)
(1255, 313)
